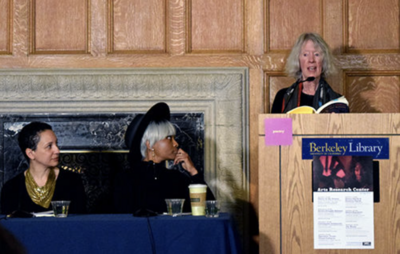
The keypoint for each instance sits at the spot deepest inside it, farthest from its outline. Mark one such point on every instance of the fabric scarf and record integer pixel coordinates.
(41, 195)
(323, 94)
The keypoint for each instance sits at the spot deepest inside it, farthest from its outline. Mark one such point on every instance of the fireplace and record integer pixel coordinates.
(93, 145)
(98, 104)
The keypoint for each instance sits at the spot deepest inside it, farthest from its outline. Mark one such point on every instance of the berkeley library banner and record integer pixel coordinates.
(343, 189)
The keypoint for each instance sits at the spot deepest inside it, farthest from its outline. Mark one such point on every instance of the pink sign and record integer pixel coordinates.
(278, 131)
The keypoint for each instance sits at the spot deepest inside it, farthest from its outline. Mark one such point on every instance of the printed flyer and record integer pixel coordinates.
(342, 183)
(343, 220)
(343, 202)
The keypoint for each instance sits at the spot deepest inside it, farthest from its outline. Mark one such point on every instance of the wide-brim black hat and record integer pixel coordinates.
(134, 133)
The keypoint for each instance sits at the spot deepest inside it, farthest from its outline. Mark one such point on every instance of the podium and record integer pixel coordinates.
(285, 182)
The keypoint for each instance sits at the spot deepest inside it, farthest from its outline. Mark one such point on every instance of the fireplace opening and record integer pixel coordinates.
(94, 146)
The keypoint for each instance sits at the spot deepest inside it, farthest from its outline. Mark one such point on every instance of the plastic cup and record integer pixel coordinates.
(60, 208)
(198, 198)
(212, 209)
(175, 206)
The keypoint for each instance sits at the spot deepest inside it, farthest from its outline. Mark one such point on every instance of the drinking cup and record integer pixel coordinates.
(60, 208)
(212, 208)
(175, 206)
(198, 198)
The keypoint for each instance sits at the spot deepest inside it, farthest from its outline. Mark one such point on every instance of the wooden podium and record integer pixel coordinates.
(285, 183)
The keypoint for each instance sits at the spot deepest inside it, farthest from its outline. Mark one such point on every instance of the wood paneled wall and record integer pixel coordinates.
(258, 34)
(59, 27)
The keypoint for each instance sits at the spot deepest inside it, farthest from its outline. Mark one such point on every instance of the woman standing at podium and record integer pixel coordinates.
(309, 62)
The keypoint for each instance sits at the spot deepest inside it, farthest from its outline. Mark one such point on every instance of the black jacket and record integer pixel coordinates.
(14, 195)
(287, 99)
(146, 186)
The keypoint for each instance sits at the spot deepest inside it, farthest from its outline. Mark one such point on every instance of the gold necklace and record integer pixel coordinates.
(41, 195)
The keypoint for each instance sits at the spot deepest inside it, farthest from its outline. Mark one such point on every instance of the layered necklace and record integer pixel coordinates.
(41, 195)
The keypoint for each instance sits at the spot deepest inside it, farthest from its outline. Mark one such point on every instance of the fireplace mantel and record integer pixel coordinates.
(221, 94)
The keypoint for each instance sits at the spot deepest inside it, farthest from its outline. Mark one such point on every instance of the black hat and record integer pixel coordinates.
(134, 133)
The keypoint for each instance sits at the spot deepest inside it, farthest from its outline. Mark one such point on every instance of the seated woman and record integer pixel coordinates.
(142, 190)
(310, 62)
(33, 189)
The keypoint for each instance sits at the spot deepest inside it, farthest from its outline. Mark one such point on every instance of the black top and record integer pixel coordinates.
(147, 185)
(305, 100)
(290, 96)
(14, 195)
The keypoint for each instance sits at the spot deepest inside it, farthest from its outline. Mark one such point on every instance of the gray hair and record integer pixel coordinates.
(155, 132)
(292, 67)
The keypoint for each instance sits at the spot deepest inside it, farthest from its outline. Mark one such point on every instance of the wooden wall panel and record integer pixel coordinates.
(275, 82)
(177, 24)
(288, 19)
(5, 26)
(373, 93)
(332, 20)
(372, 26)
(59, 27)
(138, 26)
(216, 26)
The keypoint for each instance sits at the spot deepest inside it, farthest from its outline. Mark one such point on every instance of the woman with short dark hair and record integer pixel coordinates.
(43, 182)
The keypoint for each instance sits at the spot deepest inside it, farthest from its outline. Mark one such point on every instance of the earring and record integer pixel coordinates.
(154, 154)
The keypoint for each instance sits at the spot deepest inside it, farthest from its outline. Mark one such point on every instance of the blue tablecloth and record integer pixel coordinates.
(123, 233)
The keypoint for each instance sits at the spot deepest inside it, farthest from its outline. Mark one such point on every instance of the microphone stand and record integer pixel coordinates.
(309, 79)
(144, 212)
(147, 213)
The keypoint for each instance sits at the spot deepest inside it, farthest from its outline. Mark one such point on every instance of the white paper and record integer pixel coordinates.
(343, 220)
(44, 214)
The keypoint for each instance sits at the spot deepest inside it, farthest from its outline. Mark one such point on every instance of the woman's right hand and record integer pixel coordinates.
(187, 163)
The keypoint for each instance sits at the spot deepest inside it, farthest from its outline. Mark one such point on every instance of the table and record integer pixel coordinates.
(123, 233)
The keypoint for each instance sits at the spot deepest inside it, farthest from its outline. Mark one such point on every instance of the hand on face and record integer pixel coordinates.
(167, 149)
(187, 163)
(311, 61)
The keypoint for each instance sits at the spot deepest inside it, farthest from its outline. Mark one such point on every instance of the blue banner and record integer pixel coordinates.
(378, 148)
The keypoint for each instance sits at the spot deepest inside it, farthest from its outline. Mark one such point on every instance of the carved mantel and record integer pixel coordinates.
(221, 94)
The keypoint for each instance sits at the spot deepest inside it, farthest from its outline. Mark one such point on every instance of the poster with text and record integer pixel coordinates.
(343, 189)
(343, 220)
(343, 202)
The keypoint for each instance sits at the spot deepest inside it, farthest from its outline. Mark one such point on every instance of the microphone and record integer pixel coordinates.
(291, 89)
(309, 79)
(19, 214)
